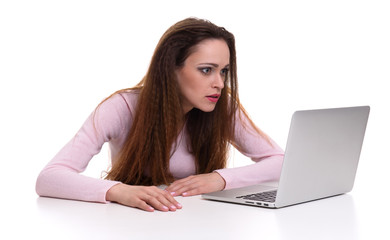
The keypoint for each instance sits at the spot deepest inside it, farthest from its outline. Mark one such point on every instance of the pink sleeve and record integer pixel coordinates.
(61, 178)
(268, 158)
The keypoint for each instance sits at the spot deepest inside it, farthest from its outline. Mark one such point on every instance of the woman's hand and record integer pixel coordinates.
(145, 198)
(197, 184)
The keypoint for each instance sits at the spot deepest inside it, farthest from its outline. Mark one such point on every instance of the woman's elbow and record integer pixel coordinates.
(39, 184)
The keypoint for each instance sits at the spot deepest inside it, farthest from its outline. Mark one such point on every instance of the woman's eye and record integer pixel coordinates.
(205, 70)
(224, 71)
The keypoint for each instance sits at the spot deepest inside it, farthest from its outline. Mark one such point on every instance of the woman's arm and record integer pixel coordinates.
(61, 178)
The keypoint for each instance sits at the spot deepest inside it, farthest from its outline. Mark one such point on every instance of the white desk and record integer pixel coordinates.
(342, 217)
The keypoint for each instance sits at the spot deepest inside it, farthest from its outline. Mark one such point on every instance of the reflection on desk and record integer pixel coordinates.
(332, 218)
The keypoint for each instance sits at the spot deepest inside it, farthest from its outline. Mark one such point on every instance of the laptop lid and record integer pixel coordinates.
(322, 154)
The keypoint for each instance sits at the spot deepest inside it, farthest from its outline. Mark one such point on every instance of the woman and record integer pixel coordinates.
(174, 128)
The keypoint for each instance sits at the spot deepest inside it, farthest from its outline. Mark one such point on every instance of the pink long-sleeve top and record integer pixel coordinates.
(111, 122)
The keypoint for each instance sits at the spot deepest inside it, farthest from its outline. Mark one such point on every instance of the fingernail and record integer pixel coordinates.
(172, 206)
(173, 193)
(184, 193)
(165, 207)
(179, 205)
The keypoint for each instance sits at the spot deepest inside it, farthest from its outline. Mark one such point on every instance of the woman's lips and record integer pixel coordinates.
(213, 98)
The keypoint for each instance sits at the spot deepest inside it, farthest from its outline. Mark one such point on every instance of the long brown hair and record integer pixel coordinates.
(144, 157)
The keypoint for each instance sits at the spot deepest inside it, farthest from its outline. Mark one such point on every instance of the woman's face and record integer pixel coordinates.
(202, 77)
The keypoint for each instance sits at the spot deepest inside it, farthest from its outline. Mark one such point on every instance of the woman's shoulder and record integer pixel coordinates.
(114, 113)
(130, 96)
(120, 104)
(125, 99)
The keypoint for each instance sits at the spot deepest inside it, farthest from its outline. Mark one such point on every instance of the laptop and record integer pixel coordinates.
(321, 159)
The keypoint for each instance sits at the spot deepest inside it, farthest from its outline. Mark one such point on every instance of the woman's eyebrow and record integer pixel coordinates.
(213, 64)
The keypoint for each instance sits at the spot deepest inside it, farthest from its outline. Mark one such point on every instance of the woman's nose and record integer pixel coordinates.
(219, 81)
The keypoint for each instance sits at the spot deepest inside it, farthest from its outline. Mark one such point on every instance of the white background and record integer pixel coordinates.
(59, 59)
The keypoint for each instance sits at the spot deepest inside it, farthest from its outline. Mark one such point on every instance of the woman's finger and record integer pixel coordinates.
(193, 186)
(144, 206)
(161, 200)
(197, 184)
(179, 186)
(145, 198)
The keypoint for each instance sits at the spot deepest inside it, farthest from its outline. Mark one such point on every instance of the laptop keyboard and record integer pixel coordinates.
(263, 196)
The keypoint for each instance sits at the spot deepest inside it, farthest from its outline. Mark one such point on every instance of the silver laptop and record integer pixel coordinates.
(320, 161)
